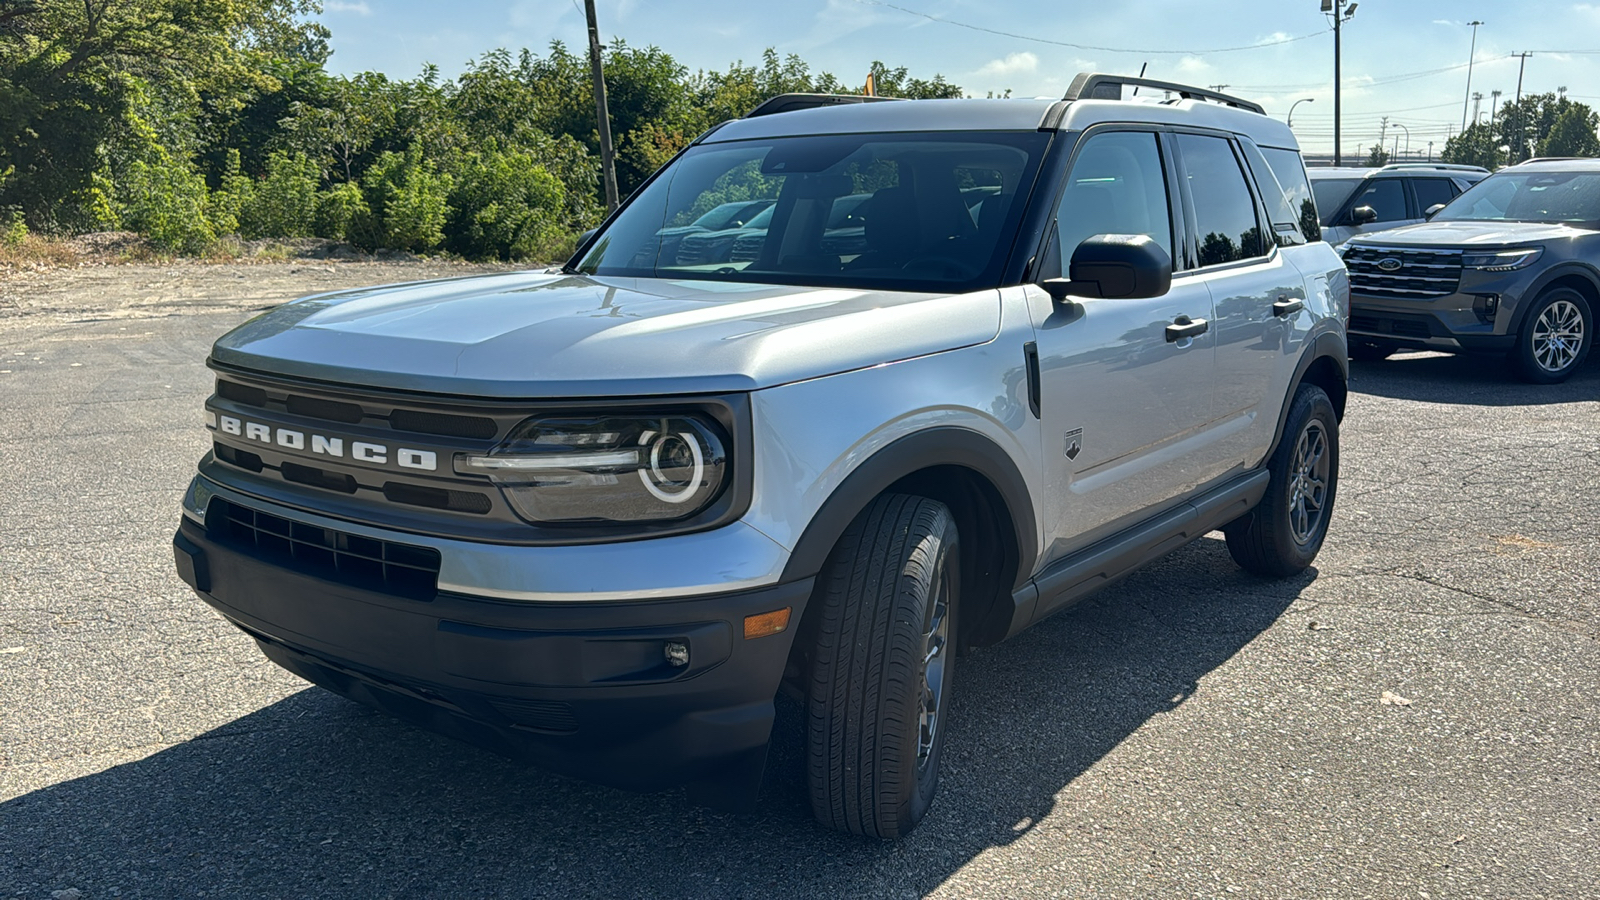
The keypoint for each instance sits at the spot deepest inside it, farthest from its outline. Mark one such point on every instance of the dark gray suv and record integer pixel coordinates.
(1511, 266)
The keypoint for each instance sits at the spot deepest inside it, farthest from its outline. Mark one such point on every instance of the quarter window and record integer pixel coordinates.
(1117, 186)
(1224, 210)
(1432, 191)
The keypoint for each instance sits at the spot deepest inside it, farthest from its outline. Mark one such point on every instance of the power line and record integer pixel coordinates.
(1040, 40)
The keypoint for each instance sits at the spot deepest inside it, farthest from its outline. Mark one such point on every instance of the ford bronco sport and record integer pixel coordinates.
(599, 517)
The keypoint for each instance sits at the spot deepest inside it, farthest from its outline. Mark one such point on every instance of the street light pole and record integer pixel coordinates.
(1397, 139)
(1341, 11)
(1290, 122)
(1470, 53)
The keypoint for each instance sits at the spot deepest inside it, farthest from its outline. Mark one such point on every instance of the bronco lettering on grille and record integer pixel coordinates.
(322, 445)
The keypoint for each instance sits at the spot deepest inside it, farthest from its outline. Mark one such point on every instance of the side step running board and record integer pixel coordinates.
(1073, 577)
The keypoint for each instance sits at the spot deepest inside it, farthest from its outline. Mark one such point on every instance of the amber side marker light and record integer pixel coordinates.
(766, 623)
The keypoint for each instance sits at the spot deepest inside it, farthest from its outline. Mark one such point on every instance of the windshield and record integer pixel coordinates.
(730, 215)
(1528, 197)
(888, 211)
(1331, 194)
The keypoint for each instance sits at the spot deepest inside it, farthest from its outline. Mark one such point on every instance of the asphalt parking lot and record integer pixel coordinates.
(1419, 716)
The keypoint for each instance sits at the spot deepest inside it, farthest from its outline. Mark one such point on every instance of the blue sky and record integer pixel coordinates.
(1405, 59)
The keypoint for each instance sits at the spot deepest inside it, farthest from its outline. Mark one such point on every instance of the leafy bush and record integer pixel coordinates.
(166, 201)
(15, 231)
(337, 208)
(407, 203)
(506, 205)
(284, 202)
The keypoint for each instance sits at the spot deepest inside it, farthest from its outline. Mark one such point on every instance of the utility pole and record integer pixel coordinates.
(1477, 98)
(1470, 53)
(1517, 148)
(1341, 11)
(1494, 101)
(1383, 132)
(608, 157)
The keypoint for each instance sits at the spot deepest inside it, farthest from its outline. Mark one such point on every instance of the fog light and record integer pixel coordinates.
(677, 653)
(1485, 306)
(766, 623)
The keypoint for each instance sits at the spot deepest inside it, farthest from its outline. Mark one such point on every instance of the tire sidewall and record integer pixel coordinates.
(927, 775)
(1320, 409)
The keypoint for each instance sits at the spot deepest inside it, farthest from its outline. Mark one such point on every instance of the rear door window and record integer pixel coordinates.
(1224, 209)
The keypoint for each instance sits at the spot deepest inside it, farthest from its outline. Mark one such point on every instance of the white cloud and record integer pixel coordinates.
(1013, 64)
(1193, 65)
(358, 7)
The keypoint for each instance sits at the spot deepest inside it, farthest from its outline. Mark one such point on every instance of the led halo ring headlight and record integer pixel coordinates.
(618, 469)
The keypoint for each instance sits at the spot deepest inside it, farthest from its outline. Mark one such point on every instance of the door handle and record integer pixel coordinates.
(1185, 327)
(1286, 307)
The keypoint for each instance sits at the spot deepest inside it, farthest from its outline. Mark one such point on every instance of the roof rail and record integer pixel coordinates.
(790, 102)
(1448, 167)
(1551, 159)
(1098, 86)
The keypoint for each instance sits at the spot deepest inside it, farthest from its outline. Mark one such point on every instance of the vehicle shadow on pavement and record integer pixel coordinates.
(1477, 380)
(316, 796)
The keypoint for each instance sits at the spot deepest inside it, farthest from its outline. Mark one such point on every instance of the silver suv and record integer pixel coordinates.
(983, 358)
(1356, 201)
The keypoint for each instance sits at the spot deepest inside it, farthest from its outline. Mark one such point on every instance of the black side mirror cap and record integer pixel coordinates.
(1115, 266)
(1432, 211)
(1363, 215)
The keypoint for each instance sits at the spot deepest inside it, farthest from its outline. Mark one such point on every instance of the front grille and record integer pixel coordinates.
(436, 498)
(382, 566)
(317, 408)
(747, 248)
(695, 251)
(1422, 274)
(317, 478)
(240, 393)
(243, 459)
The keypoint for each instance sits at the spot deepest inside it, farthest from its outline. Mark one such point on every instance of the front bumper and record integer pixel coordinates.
(581, 688)
(1466, 320)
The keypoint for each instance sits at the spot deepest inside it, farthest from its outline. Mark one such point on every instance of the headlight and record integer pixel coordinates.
(564, 470)
(1501, 260)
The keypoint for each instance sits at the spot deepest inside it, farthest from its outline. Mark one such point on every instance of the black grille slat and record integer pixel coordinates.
(317, 478)
(331, 410)
(239, 393)
(436, 498)
(383, 566)
(1423, 274)
(480, 427)
(242, 459)
(549, 716)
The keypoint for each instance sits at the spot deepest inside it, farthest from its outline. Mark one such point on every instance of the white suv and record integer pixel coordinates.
(599, 518)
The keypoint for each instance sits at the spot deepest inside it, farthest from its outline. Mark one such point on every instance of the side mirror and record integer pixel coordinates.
(1363, 215)
(584, 238)
(1432, 211)
(1115, 266)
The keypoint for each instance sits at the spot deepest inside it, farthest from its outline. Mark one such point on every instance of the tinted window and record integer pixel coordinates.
(1224, 210)
(1529, 197)
(1117, 186)
(1384, 195)
(1331, 195)
(887, 211)
(1431, 191)
(1288, 194)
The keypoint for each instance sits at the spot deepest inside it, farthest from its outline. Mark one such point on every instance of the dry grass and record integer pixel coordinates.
(32, 253)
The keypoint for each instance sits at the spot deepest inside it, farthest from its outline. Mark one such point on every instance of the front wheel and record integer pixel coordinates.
(879, 687)
(1282, 535)
(1555, 337)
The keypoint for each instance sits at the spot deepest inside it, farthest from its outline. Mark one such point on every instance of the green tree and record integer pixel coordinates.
(1573, 133)
(1479, 145)
(1377, 156)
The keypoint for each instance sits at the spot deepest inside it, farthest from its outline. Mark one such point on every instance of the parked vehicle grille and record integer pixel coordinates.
(351, 413)
(547, 716)
(1420, 275)
(358, 561)
(1397, 325)
(694, 252)
(747, 248)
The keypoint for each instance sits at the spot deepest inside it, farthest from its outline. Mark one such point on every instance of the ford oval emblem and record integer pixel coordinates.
(1389, 264)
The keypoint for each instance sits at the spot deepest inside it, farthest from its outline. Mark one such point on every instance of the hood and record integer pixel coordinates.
(1469, 234)
(523, 335)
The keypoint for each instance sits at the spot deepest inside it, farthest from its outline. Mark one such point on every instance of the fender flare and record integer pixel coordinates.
(1564, 270)
(940, 446)
(1328, 345)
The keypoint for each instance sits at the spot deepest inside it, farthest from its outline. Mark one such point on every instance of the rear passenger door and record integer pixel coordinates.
(1121, 405)
(1258, 342)
(1431, 191)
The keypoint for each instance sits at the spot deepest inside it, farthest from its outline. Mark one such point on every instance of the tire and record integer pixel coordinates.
(1282, 535)
(879, 689)
(1361, 351)
(1555, 337)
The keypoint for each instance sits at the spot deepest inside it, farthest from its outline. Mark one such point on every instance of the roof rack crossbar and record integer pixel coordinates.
(1099, 86)
(790, 102)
